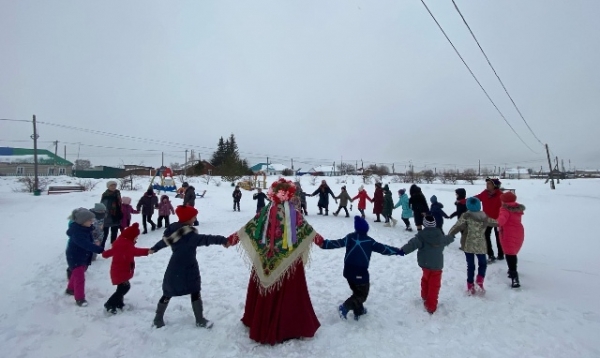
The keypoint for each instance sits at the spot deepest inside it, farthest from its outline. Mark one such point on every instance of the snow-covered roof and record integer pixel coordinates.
(21, 158)
(277, 167)
(517, 171)
(323, 169)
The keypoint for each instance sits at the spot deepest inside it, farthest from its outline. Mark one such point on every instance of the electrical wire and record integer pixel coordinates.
(495, 73)
(475, 77)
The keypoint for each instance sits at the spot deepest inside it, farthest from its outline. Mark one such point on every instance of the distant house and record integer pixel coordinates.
(326, 170)
(101, 172)
(517, 173)
(207, 168)
(20, 161)
(269, 169)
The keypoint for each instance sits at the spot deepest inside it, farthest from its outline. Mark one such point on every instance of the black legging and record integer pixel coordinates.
(114, 231)
(488, 240)
(116, 300)
(147, 219)
(511, 261)
(406, 222)
(194, 296)
(340, 209)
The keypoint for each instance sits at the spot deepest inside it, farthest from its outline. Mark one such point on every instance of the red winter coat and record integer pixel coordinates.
(491, 202)
(362, 197)
(378, 201)
(512, 233)
(123, 252)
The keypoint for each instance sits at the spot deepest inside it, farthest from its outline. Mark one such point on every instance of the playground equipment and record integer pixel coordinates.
(167, 183)
(254, 182)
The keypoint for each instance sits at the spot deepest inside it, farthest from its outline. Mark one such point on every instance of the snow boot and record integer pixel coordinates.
(343, 311)
(335, 214)
(387, 225)
(357, 316)
(144, 232)
(491, 259)
(408, 228)
(109, 309)
(69, 292)
(81, 303)
(160, 313)
(500, 257)
(320, 212)
(200, 320)
(515, 280)
(394, 222)
(479, 282)
(470, 289)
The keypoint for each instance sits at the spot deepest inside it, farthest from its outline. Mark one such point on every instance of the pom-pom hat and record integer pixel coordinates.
(361, 225)
(130, 233)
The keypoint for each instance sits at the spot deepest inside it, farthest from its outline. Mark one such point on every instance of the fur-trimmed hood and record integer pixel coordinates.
(514, 207)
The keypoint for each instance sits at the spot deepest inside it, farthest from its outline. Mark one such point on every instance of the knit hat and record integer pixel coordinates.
(344, 187)
(185, 213)
(185, 184)
(461, 192)
(126, 200)
(82, 215)
(402, 191)
(360, 225)
(433, 199)
(130, 233)
(110, 182)
(473, 204)
(497, 183)
(508, 197)
(429, 221)
(361, 188)
(99, 208)
(386, 187)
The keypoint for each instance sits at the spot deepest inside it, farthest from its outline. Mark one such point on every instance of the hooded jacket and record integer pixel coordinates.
(147, 204)
(189, 198)
(80, 246)
(165, 208)
(472, 224)
(388, 203)
(123, 252)
(324, 191)
(403, 200)
(344, 197)
(378, 200)
(512, 233)
(417, 201)
(461, 203)
(437, 211)
(362, 197)
(429, 243)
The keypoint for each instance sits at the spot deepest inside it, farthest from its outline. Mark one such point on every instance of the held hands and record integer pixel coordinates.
(150, 252)
(232, 240)
(318, 240)
(400, 253)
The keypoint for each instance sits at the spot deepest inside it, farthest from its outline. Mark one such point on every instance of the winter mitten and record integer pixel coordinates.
(400, 252)
(318, 240)
(233, 239)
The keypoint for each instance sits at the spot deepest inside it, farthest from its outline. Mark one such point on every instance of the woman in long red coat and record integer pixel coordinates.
(277, 242)
(512, 233)
(362, 197)
(378, 201)
(490, 200)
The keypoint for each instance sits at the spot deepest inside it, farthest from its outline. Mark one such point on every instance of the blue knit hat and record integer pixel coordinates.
(433, 199)
(361, 225)
(473, 204)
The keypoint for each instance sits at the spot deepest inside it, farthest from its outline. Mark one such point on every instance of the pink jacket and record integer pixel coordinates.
(512, 233)
(127, 211)
(164, 206)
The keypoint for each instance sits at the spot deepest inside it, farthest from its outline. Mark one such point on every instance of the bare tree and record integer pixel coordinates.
(367, 176)
(486, 172)
(175, 166)
(450, 176)
(81, 164)
(87, 185)
(28, 184)
(428, 176)
(468, 175)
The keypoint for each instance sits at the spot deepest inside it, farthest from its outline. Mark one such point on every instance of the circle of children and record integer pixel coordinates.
(478, 216)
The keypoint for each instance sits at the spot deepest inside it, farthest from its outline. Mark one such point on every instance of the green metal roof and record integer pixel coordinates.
(49, 160)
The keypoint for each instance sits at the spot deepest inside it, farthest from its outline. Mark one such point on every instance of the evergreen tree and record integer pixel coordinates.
(220, 154)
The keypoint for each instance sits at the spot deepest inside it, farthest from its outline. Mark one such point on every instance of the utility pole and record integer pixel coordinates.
(292, 164)
(162, 159)
(550, 176)
(55, 151)
(185, 165)
(35, 137)
(558, 171)
(479, 172)
(65, 155)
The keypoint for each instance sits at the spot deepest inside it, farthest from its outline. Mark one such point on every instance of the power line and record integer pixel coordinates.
(495, 73)
(475, 77)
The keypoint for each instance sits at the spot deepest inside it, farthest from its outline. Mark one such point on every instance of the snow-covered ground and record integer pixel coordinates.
(554, 314)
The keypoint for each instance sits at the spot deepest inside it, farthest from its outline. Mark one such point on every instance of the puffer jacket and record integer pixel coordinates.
(473, 225)
(430, 244)
(512, 233)
(407, 212)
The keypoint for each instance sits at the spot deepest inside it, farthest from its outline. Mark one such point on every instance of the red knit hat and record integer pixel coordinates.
(185, 213)
(508, 197)
(130, 233)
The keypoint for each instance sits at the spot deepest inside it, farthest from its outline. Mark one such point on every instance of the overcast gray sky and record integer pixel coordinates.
(310, 80)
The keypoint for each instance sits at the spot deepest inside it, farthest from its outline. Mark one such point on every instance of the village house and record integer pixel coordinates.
(20, 162)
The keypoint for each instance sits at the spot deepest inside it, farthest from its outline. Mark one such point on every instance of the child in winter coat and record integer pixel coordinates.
(147, 204)
(123, 252)
(473, 224)
(359, 247)
(302, 197)
(260, 198)
(362, 197)
(418, 204)
(407, 212)
(79, 252)
(429, 243)
(127, 210)
(182, 276)
(237, 196)
(512, 233)
(378, 202)
(165, 208)
(388, 207)
(437, 211)
(461, 203)
(99, 212)
(344, 197)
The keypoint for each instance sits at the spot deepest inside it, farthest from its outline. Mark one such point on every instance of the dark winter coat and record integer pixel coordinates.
(189, 199)
(237, 195)
(112, 202)
(182, 276)
(165, 208)
(429, 243)
(147, 204)
(123, 252)
(324, 191)
(80, 246)
(461, 203)
(388, 203)
(358, 254)
(417, 201)
(437, 211)
(260, 199)
(344, 198)
(378, 200)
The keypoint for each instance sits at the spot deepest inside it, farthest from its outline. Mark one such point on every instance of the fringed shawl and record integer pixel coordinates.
(273, 241)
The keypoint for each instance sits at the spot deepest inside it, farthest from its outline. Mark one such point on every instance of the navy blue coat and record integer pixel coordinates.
(260, 199)
(438, 213)
(324, 191)
(80, 246)
(182, 276)
(358, 254)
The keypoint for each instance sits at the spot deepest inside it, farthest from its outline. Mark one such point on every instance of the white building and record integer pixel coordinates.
(327, 170)
(517, 173)
(270, 169)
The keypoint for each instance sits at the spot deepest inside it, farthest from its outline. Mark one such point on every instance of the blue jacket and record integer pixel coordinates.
(358, 254)
(407, 212)
(438, 213)
(81, 245)
(182, 276)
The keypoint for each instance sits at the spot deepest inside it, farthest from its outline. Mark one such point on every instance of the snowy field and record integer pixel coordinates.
(554, 314)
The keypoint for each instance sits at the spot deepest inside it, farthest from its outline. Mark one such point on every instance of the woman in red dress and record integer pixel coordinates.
(277, 243)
